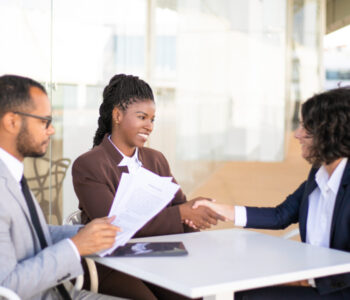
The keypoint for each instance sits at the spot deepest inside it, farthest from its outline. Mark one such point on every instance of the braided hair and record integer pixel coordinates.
(121, 91)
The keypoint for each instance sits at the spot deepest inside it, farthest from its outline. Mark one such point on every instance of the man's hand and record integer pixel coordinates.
(225, 210)
(201, 218)
(95, 236)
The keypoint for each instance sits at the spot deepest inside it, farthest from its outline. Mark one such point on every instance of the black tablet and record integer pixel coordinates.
(151, 249)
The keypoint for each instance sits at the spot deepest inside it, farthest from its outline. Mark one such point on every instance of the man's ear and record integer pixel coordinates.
(11, 122)
(117, 115)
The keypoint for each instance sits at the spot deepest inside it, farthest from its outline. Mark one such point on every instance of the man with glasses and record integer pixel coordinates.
(47, 120)
(36, 258)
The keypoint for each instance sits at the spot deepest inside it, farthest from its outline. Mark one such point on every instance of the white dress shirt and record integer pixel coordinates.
(16, 169)
(133, 162)
(321, 205)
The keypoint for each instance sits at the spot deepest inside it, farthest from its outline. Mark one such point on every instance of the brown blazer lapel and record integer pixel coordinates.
(114, 154)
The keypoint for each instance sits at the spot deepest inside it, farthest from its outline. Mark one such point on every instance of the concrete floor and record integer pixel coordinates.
(256, 183)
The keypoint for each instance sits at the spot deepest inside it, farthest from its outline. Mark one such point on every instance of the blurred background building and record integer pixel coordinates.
(228, 77)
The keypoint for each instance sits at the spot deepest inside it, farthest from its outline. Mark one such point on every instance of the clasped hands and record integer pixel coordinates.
(201, 213)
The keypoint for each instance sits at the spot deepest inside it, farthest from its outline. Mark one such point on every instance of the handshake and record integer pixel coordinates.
(201, 213)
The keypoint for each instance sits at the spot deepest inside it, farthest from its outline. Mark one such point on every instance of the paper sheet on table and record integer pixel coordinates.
(140, 196)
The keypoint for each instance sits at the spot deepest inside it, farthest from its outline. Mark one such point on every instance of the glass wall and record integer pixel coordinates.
(25, 32)
(225, 73)
(305, 54)
(105, 38)
(337, 58)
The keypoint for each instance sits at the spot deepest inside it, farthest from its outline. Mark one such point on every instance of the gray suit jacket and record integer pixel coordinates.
(24, 268)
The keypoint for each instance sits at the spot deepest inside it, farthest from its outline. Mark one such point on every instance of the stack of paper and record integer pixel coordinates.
(140, 196)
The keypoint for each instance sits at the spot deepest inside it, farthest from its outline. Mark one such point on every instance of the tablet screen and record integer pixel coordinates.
(151, 249)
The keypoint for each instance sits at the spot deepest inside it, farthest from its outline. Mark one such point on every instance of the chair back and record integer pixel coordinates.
(6, 293)
(46, 181)
(74, 218)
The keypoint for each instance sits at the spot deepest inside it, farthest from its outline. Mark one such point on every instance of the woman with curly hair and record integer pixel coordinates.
(321, 204)
(127, 113)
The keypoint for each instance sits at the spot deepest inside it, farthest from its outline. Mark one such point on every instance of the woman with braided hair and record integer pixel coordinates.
(126, 120)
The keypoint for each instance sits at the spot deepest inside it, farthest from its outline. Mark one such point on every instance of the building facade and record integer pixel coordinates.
(228, 76)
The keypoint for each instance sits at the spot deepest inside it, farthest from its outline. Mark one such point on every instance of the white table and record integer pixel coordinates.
(224, 261)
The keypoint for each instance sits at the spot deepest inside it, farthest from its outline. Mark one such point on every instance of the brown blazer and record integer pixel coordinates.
(96, 176)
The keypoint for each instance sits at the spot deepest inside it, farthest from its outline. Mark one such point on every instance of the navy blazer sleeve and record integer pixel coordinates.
(278, 217)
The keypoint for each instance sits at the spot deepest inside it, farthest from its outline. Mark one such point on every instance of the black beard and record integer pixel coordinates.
(24, 143)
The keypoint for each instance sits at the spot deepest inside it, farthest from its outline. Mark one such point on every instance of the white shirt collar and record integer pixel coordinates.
(324, 182)
(13, 164)
(132, 162)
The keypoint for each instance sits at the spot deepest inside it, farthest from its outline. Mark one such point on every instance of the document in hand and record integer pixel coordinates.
(139, 197)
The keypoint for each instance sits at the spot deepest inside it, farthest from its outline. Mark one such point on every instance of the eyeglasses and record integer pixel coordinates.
(47, 119)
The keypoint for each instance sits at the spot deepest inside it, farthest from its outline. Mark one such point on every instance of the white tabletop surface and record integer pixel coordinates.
(223, 261)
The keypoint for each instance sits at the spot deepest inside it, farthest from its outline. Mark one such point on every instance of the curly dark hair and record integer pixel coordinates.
(15, 92)
(326, 117)
(121, 91)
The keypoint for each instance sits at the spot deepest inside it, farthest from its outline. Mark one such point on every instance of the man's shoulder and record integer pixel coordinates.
(4, 171)
(7, 181)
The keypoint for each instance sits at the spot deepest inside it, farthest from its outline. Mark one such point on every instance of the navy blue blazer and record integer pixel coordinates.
(295, 209)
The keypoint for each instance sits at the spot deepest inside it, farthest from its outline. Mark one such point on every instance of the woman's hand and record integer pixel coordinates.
(200, 218)
(225, 210)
